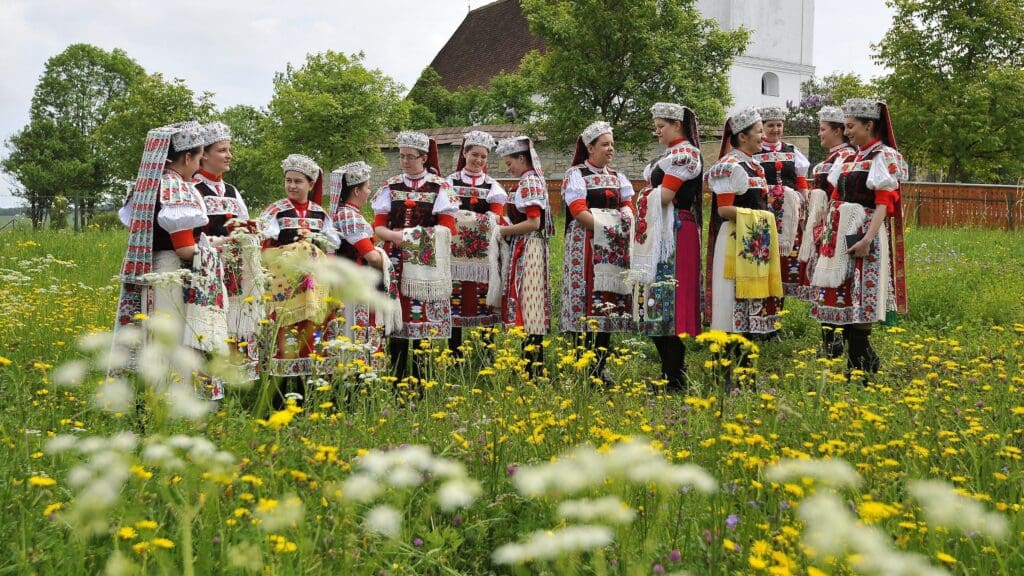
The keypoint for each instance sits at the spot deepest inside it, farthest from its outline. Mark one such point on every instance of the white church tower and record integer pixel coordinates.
(780, 53)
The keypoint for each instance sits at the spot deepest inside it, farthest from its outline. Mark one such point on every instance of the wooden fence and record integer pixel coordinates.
(930, 204)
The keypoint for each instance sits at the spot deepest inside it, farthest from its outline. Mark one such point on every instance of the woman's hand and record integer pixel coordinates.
(861, 249)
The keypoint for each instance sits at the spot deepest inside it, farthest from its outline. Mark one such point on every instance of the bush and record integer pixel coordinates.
(106, 221)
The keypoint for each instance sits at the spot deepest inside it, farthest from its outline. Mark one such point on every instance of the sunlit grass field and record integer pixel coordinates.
(948, 406)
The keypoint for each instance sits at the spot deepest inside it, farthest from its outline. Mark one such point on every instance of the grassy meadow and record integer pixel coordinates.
(670, 483)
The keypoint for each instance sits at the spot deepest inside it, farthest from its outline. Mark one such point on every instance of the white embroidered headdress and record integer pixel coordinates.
(774, 113)
(415, 140)
(215, 132)
(186, 135)
(831, 114)
(744, 119)
(303, 164)
(862, 108)
(478, 138)
(355, 172)
(595, 131)
(513, 145)
(669, 110)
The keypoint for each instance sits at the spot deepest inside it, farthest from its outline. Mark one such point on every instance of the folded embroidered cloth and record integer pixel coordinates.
(752, 255)
(611, 250)
(653, 241)
(206, 301)
(834, 265)
(426, 263)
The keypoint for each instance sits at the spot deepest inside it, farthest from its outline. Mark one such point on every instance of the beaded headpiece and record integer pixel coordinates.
(215, 132)
(831, 114)
(303, 164)
(669, 110)
(415, 140)
(186, 135)
(477, 138)
(744, 119)
(862, 108)
(595, 131)
(774, 113)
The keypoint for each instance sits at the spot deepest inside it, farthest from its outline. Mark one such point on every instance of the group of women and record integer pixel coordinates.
(459, 252)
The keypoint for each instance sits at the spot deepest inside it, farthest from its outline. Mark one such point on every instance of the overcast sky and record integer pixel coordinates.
(233, 47)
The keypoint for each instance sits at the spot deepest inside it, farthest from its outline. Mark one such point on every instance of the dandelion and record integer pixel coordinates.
(384, 520)
(943, 506)
(127, 533)
(41, 481)
(162, 543)
(549, 544)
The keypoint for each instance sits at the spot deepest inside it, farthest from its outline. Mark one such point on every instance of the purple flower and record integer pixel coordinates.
(708, 536)
(675, 555)
(658, 569)
(731, 521)
(417, 542)
(457, 520)
(511, 469)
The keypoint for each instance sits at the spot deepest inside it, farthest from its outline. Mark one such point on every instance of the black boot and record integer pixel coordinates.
(861, 356)
(673, 361)
(535, 357)
(833, 342)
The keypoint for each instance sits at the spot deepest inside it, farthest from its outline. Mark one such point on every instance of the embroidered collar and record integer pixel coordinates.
(351, 205)
(772, 146)
(209, 176)
(601, 170)
(470, 177)
(870, 145)
(742, 155)
(837, 148)
(677, 141)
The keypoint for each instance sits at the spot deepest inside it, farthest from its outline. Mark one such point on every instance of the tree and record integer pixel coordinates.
(612, 59)
(333, 109)
(508, 97)
(147, 103)
(44, 158)
(832, 90)
(954, 90)
(73, 93)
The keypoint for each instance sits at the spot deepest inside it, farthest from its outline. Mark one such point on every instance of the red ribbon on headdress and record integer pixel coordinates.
(432, 164)
(581, 154)
(316, 195)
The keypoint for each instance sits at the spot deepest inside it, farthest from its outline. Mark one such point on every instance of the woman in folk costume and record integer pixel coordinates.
(527, 301)
(350, 190)
(238, 243)
(166, 215)
(476, 268)
(415, 216)
(665, 261)
(859, 276)
(743, 261)
(596, 299)
(785, 169)
(298, 230)
(831, 132)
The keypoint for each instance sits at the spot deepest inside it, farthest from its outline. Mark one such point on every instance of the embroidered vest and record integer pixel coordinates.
(472, 198)
(602, 189)
(291, 223)
(821, 170)
(852, 185)
(755, 197)
(219, 209)
(779, 167)
(688, 194)
(413, 207)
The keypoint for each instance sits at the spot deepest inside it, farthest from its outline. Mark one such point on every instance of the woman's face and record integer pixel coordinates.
(297, 186)
(859, 131)
(476, 158)
(750, 141)
(602, 150)
(360, 194)
(516, 165)
(667, 131)
(190, 164)
(773, 130)
(217, 157)
(828, 135)
(413, 160)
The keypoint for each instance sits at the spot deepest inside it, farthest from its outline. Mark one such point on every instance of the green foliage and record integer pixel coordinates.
(613, 59)
(832, 90)
(148, 102)
(955, 86)
(333, 109)
(70, 101)
(433, 105)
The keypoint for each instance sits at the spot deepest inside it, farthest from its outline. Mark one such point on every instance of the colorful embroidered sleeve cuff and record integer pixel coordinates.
(364, 246)
(725, 199)
(577, 206)
(448, 221)
(801, 183)
(533, 211)
(888, 199)
(671, 182)
(497, 208)
(182, 239)
(380, 220)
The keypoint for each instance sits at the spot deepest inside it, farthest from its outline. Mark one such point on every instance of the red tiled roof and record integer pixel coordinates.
(491, 39)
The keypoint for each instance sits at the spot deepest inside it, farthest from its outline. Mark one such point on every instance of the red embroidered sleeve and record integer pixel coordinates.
(364, 246)
(497, 208)
(183, 239)
(533, 211)
(577, 206)
(888, 199)
(801, 183)
(380, 220)
(448, 221)
(671, 182)
(725, 199)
